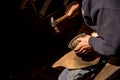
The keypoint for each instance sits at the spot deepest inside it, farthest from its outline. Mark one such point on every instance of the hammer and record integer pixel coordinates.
(54, 23)
(60, 19)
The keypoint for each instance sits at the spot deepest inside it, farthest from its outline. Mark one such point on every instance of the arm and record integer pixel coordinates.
(108, 28)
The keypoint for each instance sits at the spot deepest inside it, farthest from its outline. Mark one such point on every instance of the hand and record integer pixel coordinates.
(83, 47)
(72, 10)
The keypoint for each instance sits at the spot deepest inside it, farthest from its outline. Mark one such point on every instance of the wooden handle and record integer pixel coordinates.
(62, 18)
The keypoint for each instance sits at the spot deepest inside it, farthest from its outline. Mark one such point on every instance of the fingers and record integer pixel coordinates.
(83, 46)
(77, 49)
(82, 49)
(72, 9)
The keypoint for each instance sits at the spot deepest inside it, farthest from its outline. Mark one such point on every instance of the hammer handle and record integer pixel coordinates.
(62, 18)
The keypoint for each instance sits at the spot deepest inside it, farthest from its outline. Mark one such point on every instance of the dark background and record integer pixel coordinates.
(29, 43)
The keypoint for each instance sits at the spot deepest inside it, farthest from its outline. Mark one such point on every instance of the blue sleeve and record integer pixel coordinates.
(108, 27)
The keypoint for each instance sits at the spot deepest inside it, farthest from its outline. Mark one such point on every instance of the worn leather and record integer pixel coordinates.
(72, 61)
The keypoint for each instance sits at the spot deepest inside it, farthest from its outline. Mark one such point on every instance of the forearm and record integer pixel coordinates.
(103, 47)
(108, 28)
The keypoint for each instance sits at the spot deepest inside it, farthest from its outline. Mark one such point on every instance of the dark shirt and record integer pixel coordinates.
(104, 17)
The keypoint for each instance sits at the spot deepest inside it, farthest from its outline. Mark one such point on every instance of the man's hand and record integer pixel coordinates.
(83, 47)
(72, 10)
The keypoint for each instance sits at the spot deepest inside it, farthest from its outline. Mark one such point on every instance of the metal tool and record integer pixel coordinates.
(67, 14)
(54, 23)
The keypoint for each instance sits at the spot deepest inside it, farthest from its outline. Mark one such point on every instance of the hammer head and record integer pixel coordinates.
(53, 24)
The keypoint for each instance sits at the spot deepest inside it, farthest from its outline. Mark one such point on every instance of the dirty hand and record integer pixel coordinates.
(83, 47)
(72, 10)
